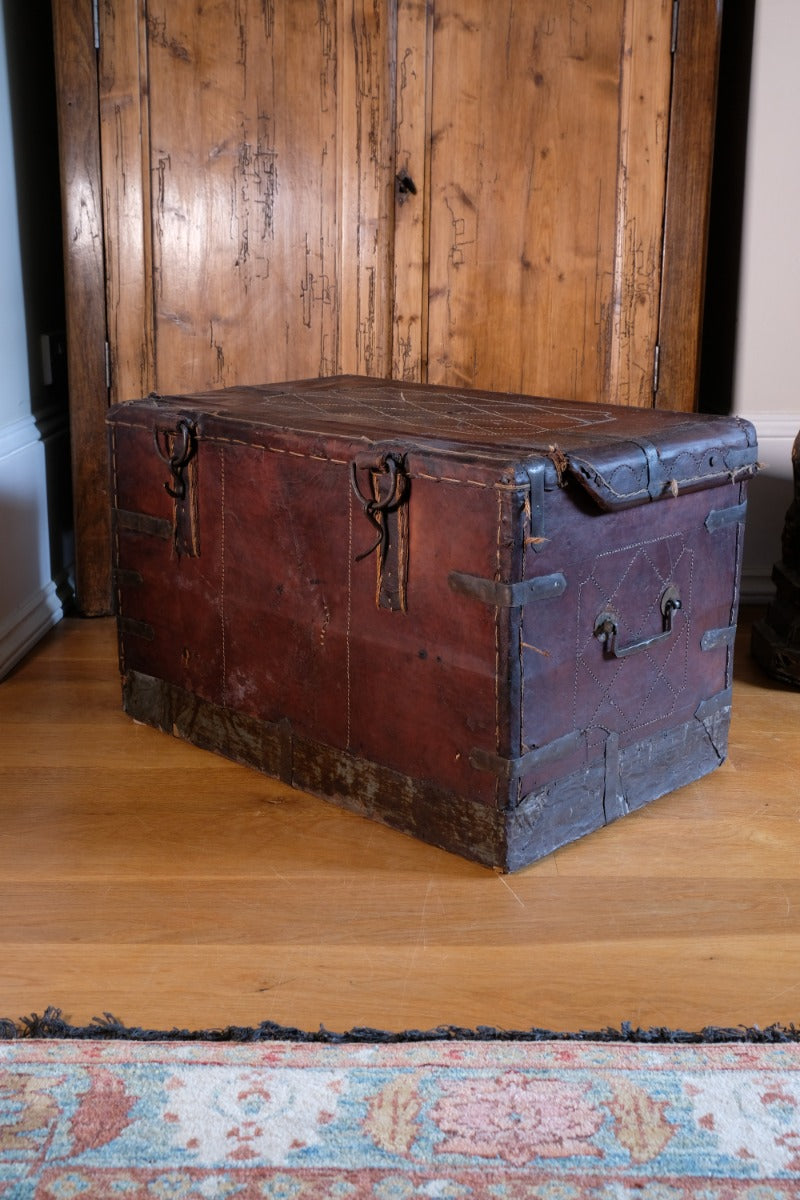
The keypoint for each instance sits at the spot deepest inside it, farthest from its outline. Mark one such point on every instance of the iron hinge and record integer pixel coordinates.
(96, 23)
(674, 43)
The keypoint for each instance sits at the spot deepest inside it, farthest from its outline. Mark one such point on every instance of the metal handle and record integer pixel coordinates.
(606, 627)
(376, 507)
(176, 459)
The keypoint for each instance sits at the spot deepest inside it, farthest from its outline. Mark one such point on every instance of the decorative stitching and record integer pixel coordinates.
(520, 623)
(456, 410)
(216, 440)
(498, 487)
(606, 699)
(115, 478)
(219, 440)
(349, 606)
(661, 488)
(497, 612)
(222, 577)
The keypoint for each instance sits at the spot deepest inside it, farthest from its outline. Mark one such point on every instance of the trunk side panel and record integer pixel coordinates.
(621, 563)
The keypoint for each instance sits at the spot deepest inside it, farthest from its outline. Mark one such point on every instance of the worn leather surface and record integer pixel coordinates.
(269, 610)
(621, 455)
(623, 563)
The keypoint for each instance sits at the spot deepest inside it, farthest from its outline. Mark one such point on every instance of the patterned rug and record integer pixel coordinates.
(104, 1116)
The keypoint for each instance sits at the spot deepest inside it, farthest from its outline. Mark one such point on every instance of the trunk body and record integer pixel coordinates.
(495, 622)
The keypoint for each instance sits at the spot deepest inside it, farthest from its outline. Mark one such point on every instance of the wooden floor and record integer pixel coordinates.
(142, 877)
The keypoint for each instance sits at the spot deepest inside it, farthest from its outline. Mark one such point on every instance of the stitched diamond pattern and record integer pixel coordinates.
(624, 694)
(418, 412)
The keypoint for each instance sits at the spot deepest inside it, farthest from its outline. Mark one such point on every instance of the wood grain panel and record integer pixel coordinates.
(412, 205)
(242, 126)
(641, 181)
(545, 243)
(176, 909)
(84, 281)
(366, 97)
(693, 113)
(514, 245)
(124, 145)
(582, 985)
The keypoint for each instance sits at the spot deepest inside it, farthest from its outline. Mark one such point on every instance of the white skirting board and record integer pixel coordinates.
(770, 495)
(27, 625)
(30, 596)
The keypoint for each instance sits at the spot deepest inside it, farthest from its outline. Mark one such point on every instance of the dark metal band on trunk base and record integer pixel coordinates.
(509, 839)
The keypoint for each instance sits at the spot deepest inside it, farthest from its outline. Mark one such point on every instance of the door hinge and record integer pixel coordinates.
(96, 23)
(107, 358)
(656, 366)
(674, 44)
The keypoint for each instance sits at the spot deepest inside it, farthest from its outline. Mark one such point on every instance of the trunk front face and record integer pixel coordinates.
(279, 617)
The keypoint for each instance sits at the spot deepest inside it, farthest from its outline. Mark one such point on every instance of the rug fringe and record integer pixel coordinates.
(109, 1028)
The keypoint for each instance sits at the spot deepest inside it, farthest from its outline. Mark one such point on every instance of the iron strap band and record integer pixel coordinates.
(721, 518)
(515, 768)
(126, 577)
(508, 595)
(129, 627)
(136, 522)
(715, 704)
(712, 638)
(536, 478)
(656, 480)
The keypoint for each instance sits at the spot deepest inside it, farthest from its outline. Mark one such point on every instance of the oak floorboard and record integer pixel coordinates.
(146, 878)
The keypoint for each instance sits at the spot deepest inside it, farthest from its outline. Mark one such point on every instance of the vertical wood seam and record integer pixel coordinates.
(117, 590)
(151, 331)
(664, 248)
(390, 201)
(348, 677)
(77, 84)
(426, 200)
(610, 360)
(692, 113)
(497, 617)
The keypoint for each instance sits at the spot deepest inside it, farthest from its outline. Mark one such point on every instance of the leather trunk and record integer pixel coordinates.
(495, 622)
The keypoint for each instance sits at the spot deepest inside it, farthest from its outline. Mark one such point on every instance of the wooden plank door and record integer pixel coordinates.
(548, 170)
(545, 181)
(246, 206)
(255, 228)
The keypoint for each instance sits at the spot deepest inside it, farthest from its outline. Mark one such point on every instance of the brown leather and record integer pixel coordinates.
(437, 618)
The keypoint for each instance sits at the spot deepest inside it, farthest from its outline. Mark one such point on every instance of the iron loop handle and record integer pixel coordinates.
(606, 627)
(374, 508)
(182, 450)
